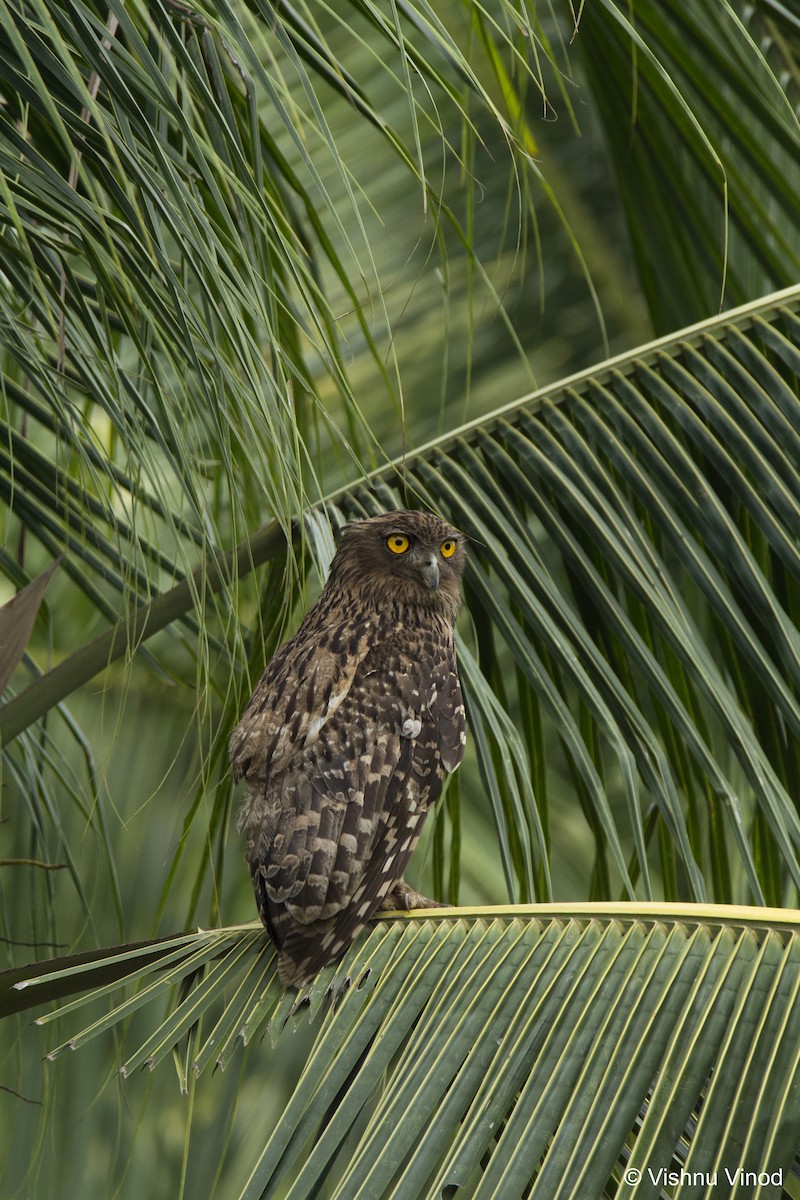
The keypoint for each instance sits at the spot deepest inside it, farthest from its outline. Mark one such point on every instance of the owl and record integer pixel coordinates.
(347, 737)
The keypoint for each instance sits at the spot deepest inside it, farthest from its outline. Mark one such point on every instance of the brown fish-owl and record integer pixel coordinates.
(345, 742)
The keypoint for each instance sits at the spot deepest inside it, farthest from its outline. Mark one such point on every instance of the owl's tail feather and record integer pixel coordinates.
(306, 949)
(293, 973)
(275, 918)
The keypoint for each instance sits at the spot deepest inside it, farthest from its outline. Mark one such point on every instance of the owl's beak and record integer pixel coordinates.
(430, 573)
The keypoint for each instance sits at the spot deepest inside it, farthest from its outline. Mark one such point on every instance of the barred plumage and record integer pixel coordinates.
(345, 741)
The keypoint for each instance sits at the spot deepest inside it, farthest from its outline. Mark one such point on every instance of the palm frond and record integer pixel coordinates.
(574, 1046)
(632, 563)
(175, 267)
(631, 577)
(189, 268)
(205, 325)
(705, 142)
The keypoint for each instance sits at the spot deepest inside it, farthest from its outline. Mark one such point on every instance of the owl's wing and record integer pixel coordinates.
(448, 706)
(349, 811)
(325, 819)
(348, 880)
(301, 689)
(372, 765)
(306, 948)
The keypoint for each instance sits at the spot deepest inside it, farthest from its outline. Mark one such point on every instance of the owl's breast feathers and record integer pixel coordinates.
(343, 749)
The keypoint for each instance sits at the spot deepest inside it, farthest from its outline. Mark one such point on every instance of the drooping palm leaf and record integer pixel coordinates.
(186, 265)
(631, 578)
(174, 267)
(170, 260)
(706, 145)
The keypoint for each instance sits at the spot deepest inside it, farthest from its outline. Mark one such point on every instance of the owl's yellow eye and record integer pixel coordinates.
(448, 548)
(398, 543)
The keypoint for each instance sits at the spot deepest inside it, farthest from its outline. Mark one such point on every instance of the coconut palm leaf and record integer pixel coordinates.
(654, 604)
(178, 259)
(165, 235)
(177, 256)
(92, 254)
(700, 85)
(593, 1050)
(621, 1039)
(632, 577)
(197, 285)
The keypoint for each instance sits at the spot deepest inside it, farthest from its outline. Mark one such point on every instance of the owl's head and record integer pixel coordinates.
(412, 557)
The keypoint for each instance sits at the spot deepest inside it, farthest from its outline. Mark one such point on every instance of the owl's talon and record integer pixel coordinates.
(404, 898)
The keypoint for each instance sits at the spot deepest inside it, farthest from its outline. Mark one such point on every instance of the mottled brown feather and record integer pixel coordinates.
(344, 744)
